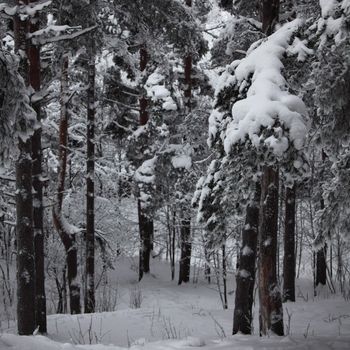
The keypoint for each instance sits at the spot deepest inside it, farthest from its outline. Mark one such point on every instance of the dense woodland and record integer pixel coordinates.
(209, 134)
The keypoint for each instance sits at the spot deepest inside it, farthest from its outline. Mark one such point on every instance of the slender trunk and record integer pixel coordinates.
(289, 247)
(207, 270)
(245, 278)
(67, 238)
(146, 230)
(300, 243)
(186, 247)
(224, 275)
(89, 301)
(146, 226)
(173, 247)
(34, 81)
(24, 209)
(271, 311)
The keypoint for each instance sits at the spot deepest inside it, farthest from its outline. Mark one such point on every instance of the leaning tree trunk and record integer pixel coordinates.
(146, 227)
(24, 209)
(289, 246)
(89, 301)
(34, 81)
(186, 247)
(245, 278)
(67, 238)
(271, 311)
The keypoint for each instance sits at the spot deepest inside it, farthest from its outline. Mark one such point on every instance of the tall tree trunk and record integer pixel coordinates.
(321, 254)
(245, 278)
(271, 311)
(89, 301)
(34, 81)
(146, 227)
(24, 208)
(67, 238)
(289, 246)
(186, 247)
(224, 274)
(185, 232)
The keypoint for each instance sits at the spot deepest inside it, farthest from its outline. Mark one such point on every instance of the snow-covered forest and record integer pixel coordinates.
(174, 174)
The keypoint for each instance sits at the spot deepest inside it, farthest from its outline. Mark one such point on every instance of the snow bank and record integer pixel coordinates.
(238, 342)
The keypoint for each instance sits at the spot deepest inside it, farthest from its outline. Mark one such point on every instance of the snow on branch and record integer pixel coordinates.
(268, 115)
(25, 10)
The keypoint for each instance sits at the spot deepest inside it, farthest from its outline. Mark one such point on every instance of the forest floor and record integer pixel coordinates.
(185, 317)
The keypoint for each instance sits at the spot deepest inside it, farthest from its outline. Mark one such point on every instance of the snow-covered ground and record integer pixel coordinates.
(187, 316)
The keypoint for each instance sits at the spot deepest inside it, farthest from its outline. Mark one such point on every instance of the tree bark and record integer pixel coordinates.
(245, 278)
(35, 82)
(271, 311)
(186, 247)
(146, 234)
(24, 207)
(25, 242)
(89, 301)
(289, 246)
(146, 226)
(321, 266)
(269, 13)
(67, 238)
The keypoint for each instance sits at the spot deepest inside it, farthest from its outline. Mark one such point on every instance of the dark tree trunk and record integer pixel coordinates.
(186, 247)
(34, 81)
(321, 254)
(185, 232)
(289, 246)
(207, 269)
(25, 242)
(24, 209)
(271, 311)
(67, 238)
(245, 278)
(227, 4)
(321, 266)
(145, 222)
(224, 275)
(146, 234)
(89, 301)
(269, 13)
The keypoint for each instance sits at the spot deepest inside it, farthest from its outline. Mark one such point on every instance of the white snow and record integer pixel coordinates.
(268, 100)
(186, 317)
(327, 6)
(182, 161)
